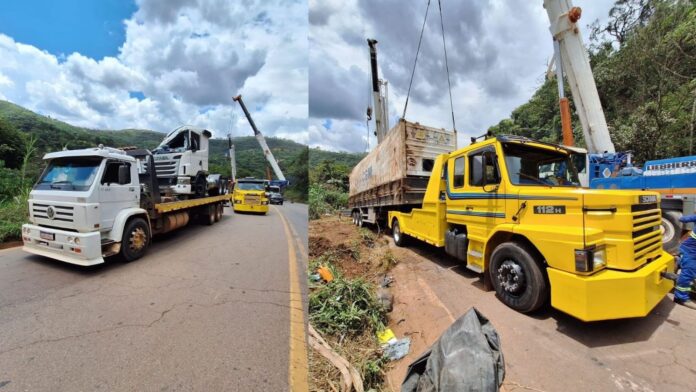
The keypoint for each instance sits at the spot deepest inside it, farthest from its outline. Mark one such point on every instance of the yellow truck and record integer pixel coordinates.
(249, 195)
(513, 210)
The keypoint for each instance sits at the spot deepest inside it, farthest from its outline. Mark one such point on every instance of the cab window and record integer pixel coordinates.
(111, 172)
(458, 180)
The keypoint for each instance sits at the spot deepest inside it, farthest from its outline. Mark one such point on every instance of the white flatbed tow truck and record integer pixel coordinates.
(93, 203)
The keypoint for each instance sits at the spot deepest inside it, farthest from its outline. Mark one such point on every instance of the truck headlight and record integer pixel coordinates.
(590, 259)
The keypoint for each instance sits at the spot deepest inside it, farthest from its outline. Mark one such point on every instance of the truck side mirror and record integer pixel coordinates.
(123, 174)
(491, 181)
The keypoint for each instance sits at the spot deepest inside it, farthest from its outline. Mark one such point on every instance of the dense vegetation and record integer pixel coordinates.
(328, 177)
(644, 64)
(26, 136)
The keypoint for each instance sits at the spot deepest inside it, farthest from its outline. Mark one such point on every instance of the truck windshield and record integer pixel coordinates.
(69, 174)
(250, 186)
(528, 165)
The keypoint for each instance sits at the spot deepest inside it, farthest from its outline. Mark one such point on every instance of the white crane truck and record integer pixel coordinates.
(93, 203)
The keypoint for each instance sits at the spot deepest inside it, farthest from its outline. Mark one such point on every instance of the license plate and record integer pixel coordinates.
(47, 236)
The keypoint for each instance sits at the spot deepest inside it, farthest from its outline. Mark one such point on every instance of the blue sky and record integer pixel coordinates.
(93, 28)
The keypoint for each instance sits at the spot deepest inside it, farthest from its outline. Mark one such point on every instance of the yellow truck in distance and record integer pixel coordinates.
(249, 195)
(512, 209)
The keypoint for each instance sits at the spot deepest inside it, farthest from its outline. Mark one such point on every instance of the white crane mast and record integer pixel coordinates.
(576, 66)
(379, 95)
(262, 142)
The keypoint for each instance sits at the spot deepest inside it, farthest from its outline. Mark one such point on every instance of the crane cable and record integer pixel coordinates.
(449, 84)
(410, 83)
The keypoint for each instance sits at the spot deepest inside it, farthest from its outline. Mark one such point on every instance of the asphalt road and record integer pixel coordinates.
(207, 309)
(547, 350)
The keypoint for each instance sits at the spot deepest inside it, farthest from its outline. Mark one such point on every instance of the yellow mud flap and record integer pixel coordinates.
(611, 294)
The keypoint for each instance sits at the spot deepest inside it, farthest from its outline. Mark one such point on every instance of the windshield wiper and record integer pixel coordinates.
(538, 181)
(53, 184)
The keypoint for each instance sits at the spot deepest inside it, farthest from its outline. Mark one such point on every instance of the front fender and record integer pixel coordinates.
(120, 222)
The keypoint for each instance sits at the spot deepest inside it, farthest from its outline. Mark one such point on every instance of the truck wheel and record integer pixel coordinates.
(671, 230)
(208, 217)
(354, 215)
(200, 185)
(135, 240)
(518, 278)
(397, 235)
(218, 212)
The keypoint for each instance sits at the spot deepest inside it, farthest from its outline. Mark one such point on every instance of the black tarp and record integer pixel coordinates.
(466, 357)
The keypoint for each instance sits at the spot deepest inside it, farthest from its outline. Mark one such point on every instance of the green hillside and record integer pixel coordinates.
(26, 136)
(644, 65)
(317, 156)
(55, 135)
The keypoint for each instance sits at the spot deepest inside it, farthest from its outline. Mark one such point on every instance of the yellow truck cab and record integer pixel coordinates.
(249, 195)
(512, 209)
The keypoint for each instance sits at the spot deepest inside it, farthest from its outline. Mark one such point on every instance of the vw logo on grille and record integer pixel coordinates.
(50, 212)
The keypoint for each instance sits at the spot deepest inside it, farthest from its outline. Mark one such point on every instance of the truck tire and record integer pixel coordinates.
(218, 212)
(135, 240)
(398, 237)
(518, 278)
(208, 216)
(355, 217)
(671, 230)
(200, 185)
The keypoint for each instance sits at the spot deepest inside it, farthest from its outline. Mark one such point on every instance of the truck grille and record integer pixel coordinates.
(60, 213)
(252, 199)
(166, 168)
(647, 237)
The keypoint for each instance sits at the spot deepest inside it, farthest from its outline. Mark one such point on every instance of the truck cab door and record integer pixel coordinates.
(476, 199)
(115, 195)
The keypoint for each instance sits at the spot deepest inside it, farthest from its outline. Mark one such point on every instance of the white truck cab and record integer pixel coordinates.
(182, 161)
(80, 204)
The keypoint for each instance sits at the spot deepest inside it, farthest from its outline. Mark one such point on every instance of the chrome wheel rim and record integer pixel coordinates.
(667, 230)
(511, 277)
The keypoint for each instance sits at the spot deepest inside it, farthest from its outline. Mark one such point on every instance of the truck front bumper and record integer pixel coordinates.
(260, 208)
(611, 294)
(74, 248)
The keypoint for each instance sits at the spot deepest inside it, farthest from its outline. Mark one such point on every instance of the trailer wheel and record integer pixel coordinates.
(518, 278)
(218, 212)
(135, 240)
(397, 235)
(208, 216)
(671, 230)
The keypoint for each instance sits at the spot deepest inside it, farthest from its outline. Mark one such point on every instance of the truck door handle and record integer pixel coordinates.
(468, 208)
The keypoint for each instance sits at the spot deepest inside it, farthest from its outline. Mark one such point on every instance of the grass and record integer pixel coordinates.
(345, 307)
(14, 212)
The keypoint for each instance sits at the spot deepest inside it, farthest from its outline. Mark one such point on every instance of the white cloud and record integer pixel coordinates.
(188, 59)
(498, 53)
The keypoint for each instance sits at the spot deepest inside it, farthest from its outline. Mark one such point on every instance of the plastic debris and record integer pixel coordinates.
(314, 277)
(385, 336)
(466, 357)
(397, 349)
(325, 274)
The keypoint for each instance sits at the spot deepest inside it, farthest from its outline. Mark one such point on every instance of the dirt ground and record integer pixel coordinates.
(545, 351)
(548, 350)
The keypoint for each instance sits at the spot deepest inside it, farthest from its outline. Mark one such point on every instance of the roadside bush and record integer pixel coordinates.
(345, 307)
(13, 213)
(325, 200)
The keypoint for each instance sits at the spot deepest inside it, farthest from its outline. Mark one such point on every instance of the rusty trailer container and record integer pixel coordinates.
(395, 174)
